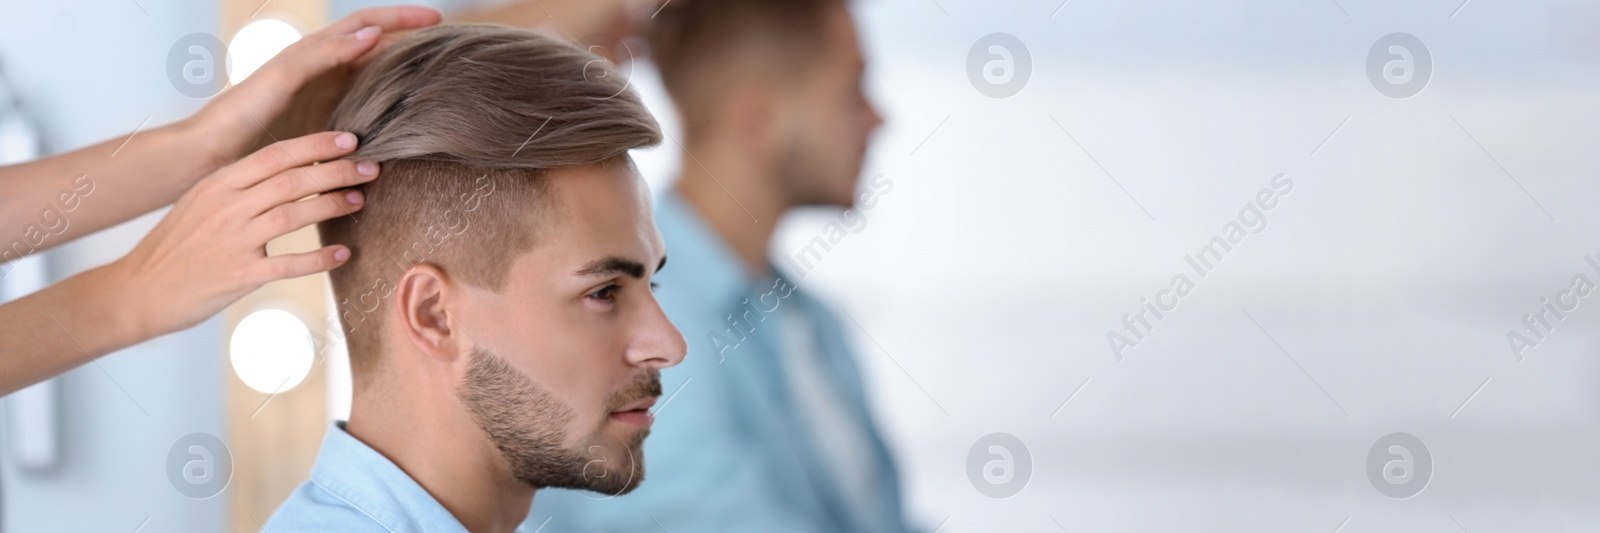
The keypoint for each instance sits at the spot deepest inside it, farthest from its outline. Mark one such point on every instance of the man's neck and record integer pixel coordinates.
(443, 450)
(738, 197)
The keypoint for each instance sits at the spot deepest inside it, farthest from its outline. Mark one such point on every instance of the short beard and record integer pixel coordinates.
(804, 180)
(525, 423)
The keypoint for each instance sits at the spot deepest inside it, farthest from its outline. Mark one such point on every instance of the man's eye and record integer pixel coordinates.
(654, 286)
(606, 293)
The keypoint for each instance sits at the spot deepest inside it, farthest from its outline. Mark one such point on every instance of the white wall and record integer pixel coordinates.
(1391, 274)
(85, 72)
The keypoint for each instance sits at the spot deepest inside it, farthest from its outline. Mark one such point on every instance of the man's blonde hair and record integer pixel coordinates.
(465, 119)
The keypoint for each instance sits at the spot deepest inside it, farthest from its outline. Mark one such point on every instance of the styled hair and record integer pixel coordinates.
(703, 47)
(465, 120)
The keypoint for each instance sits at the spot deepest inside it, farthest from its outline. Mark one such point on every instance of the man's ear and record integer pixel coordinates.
(422, 313)
(755, 112)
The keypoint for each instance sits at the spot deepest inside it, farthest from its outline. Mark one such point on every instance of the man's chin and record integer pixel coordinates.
(612, 460)
(847, 202)
(616, 479)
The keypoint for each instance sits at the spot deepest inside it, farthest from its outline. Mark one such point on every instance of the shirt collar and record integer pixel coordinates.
(372, 484)
(701, 261)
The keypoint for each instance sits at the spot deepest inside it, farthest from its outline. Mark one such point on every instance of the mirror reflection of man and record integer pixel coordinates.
(769, 429)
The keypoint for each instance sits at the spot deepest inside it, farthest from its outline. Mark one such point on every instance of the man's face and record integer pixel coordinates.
(829, 121)
(568, 353)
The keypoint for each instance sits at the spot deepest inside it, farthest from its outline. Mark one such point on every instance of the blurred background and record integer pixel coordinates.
(1439, 195)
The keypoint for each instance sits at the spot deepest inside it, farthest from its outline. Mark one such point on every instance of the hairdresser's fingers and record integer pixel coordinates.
(292, 216)
(280, 156)
(289, 266)
(300, 182)
(384, 42)
(341, 43)
(392, 18)
(310, 57)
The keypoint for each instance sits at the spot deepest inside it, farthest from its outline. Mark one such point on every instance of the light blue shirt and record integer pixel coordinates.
(355, 488)
(730, 450)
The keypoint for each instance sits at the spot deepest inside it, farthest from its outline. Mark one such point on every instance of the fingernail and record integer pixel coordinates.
(345, 141)
(367, 168)
(341, 254)
(354, 197)
(367, 33)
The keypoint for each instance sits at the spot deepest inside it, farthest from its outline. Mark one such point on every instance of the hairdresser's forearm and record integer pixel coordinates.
(65, 325)
(54, 200)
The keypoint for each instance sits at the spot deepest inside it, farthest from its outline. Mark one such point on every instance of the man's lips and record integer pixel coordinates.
(637, 413)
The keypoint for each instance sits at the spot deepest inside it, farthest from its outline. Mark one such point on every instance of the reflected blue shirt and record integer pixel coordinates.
(355, 488)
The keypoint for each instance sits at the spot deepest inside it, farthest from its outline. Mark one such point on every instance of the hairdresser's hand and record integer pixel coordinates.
(308, 78)
(210, 250)
(605, 27)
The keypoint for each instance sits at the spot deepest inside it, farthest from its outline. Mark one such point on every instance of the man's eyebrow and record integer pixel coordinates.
(615, 264)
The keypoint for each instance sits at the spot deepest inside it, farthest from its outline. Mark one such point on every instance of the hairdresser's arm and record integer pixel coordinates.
(209, 251)
(54, 200)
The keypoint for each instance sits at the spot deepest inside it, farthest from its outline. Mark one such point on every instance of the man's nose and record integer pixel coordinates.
(658, 343)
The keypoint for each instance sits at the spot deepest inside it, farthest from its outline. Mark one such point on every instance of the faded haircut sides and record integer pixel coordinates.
(465, 120)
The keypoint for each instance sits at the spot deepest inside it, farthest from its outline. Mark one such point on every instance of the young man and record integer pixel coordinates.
(497, 305)
(767, 428)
